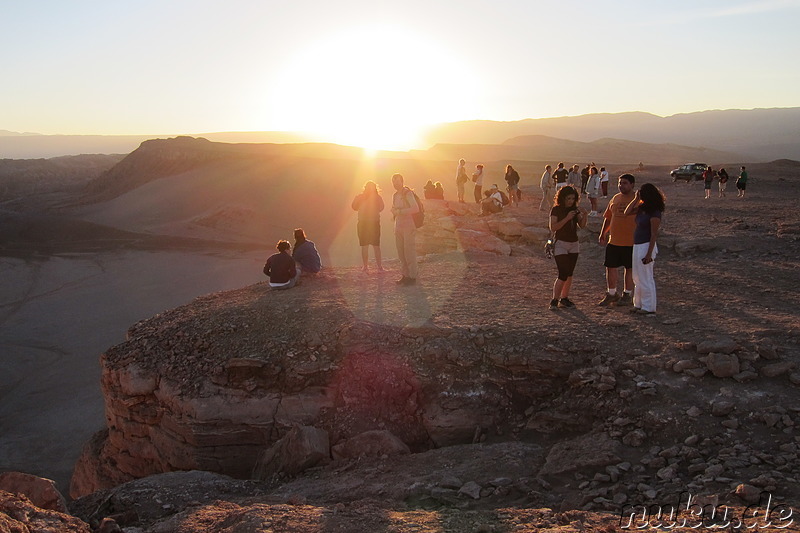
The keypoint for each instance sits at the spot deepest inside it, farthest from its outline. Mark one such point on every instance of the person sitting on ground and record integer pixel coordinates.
(438, 191)
(429, 190)
(305, 253)
(281, 269)
(493, 201)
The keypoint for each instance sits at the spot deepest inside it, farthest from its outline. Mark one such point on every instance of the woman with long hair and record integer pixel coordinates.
(512, 179)
(305, 253)
(648, 204)
(369, 205)
(565, 219)
(593, 190)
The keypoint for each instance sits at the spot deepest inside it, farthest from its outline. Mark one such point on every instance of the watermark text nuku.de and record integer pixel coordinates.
(690, 511)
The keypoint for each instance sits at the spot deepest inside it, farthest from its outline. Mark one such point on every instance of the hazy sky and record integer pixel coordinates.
(358, 69)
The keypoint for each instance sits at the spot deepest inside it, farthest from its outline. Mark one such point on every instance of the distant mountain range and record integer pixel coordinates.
(711, 136)
(756, 135)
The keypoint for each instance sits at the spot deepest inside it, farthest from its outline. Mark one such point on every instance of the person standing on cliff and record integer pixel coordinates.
(616, 235)
(369, 205)
(546, 185)
(404, 206)
(461, 179)
(281, 269)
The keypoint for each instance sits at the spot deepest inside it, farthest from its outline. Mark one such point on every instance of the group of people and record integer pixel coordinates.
(433, 191)
(631, 224)
(709, 174)
(284, 269)
(488, 200)
(591, 182)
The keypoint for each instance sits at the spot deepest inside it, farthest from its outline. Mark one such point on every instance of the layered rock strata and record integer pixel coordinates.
(211, 385)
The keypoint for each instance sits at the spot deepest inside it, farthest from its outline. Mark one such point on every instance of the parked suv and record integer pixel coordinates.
(689, 172)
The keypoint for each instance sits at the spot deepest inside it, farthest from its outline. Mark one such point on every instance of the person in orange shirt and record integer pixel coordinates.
(616, 235)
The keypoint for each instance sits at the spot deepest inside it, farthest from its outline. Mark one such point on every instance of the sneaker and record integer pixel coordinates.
(635, 310)
(565, 302)
(608, 299)
(625, 299)
(553, 304)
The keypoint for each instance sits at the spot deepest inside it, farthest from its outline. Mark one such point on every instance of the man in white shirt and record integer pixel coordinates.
(404, 206)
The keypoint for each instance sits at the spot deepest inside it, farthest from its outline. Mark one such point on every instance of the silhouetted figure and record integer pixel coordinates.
(305, 253)
(281, 269)
(512, 179)
(461, 179)
(369, 205)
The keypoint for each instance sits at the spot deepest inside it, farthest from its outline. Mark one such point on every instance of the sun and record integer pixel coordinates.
(375, 88)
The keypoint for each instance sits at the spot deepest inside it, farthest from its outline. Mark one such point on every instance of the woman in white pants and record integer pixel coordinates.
(648, 204)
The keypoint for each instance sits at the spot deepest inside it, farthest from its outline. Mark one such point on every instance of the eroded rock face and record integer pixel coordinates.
(17, 513)
(210, 386)
(40, 491)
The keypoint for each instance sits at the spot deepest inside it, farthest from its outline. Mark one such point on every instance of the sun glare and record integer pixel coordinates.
(375, 88)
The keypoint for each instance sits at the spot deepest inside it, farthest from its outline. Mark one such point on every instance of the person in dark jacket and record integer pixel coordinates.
(281, 268)
(305, 253)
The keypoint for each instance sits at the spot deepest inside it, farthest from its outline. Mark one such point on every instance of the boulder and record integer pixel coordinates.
(719, 345)
(535, 235)
(587, 451)
(509, 227)
(723, 365)
(301, 448)
(776, 369)
(40, 491)
(19, 514)
(478, 241)
(375, 443)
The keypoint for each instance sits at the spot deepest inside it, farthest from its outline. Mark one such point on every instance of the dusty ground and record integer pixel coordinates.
(727, 267)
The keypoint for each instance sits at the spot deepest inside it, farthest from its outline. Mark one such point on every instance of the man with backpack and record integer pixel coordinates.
(405, 207)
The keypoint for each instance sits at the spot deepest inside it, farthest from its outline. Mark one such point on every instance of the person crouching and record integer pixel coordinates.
(281, 269)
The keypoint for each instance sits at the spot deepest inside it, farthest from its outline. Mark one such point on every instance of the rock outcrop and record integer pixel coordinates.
(211, 385)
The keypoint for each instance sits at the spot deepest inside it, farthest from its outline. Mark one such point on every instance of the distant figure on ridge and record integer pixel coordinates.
(723, 181)
(584, 178)
(593, 189)
(546, 185)
(404, 207)
(574, 178)
(281, 269)
(616, 235)
(305, 254)
(741, 183)
(492, 201)
(477, 179)
(369, 205)
(512, 179)
(565, 219)
(708, 180)
(438, 191)
(648, 205)
(429, 190)
(604, 181)
(461, 179)
(560, 176)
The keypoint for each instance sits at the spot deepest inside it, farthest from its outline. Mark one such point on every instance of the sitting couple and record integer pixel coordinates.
(284, 270)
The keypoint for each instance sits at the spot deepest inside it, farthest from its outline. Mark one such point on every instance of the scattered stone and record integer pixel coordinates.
(722, 365)
(40, 491)
(731, 423)
(725, 345)
(722, 408)
(685, 364)
(451, 482)
(471, 489)
(776, 369)
(694, 411)
(375, 443)
(767, 351)
(747, 375)
(634, 438)
(748, 493)
(300, 449)
(590, 450)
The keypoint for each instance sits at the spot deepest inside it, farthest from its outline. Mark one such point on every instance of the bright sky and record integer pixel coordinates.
(372, 72)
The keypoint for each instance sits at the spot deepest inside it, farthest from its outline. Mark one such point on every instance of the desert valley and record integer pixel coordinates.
(150, 372)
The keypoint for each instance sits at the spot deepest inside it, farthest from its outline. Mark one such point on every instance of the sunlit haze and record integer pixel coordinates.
(374, 73)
